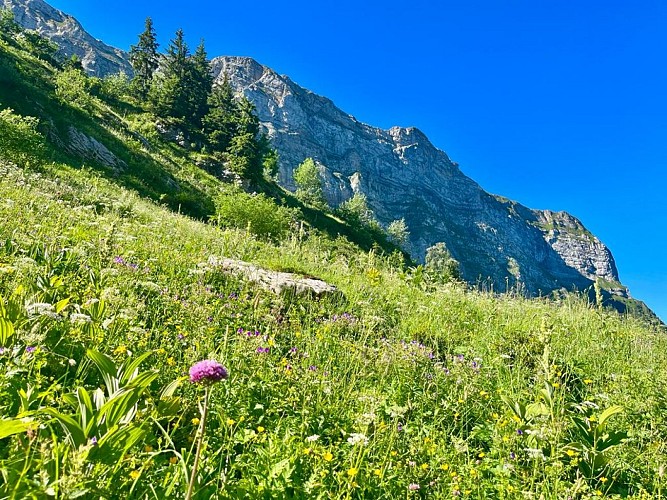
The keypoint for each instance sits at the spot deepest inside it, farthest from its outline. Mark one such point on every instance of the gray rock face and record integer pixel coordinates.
(404, 176)
(91, 149)
(98, 58)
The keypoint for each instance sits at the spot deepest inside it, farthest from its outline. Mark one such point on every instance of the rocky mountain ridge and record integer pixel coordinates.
(97, 57)
(404, 176)
(497, 241)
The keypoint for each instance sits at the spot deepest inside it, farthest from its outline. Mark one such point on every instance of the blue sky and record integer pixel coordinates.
(556, 104)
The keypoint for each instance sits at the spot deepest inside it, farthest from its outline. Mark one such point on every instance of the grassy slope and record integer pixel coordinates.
(420, 370)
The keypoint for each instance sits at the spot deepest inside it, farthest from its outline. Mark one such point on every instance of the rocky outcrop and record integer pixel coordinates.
(273, 281)
(404, 176)
(98, 58)
(92, 149)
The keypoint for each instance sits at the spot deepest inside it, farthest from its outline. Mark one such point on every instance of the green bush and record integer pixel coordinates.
(73, 87)
(256, 212)
(20, 142)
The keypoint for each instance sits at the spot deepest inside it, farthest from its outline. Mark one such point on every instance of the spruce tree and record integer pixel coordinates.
(145, 59)
(199, 85)
(169, 93)
(220, 120)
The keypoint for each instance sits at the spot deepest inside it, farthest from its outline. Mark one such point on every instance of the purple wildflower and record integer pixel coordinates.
(210, 319)
(240, 331)
(512, 455)
(93, 441)
(312, 368)
(207, 372)
(293, 350)
(262, 350)
(519, 432)
(30, 349)
(181, 336)
(399, 428)
(413, 486)
(119, 260)
(2, 351)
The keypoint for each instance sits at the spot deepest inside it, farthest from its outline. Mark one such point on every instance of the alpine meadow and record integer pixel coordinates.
(176, 323)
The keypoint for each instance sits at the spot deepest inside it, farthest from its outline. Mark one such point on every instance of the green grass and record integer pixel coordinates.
(398, 388)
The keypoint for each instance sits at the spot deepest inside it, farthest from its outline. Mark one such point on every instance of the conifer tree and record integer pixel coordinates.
(199, 85)
(220, 120)
(169, 93)
(145, 59)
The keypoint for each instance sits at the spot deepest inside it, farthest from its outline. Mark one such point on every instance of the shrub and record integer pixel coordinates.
(19, 139)
(256, 212)
(73, 87)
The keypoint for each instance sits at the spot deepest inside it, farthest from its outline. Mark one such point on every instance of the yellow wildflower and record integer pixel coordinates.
(171, 361)
(230, 422)
(260, 429)
(173, 460)
(352, 471)
(148, 448)
(328, 457)
(195, 421)
(135, 474)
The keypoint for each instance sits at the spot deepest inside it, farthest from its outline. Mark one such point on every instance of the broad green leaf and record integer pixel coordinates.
(62, 305)
(3, 311)
(611, 439)
(85, 406)
(6, 330)
(612, 410)
(170, 389)
(107, 368)
(9, 427)
(127, 371)
(74, 432)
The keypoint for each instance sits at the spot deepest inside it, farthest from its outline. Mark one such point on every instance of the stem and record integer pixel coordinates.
(200, 439)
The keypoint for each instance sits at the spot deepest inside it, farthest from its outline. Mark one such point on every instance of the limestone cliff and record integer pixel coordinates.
(405, 176)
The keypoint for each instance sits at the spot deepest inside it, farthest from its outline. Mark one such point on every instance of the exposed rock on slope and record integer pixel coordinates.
(274, 281)
(97, 57)
(405, 176)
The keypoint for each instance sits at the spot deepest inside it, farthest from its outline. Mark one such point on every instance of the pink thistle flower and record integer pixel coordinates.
(207, 372)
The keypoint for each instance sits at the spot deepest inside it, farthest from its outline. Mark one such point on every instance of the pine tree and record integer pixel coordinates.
(169, 93)
(145, 59)
(199, 85)
(220, 120)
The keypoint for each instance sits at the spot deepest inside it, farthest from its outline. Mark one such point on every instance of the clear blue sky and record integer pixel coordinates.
(556, 104)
